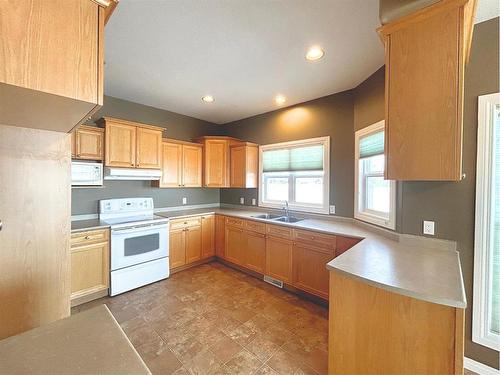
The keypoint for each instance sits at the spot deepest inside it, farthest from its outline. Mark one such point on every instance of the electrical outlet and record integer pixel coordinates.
(254, 201)
(428, 227)
(242, 200)
(332, 209)
(184, 200)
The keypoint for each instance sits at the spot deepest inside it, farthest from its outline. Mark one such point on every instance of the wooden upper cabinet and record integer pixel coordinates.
(131, 144)
(192, 165)
(244, 160)
(149, 148)
(426, 54)
(207, 236)
(215, 161)
(120, 145)
(88, 143)
(171, 166)
(52, 57)
(181, 164)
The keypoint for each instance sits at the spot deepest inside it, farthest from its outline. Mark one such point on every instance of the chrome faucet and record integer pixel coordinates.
(287, 210)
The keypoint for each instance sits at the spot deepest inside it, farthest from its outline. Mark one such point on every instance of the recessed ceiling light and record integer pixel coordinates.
(280, 99)
(314, 53)
(208, 99)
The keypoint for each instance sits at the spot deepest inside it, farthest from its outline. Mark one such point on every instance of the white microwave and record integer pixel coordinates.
(86, 173)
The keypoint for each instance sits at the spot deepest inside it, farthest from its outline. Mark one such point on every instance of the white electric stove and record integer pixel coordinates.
(139, 243)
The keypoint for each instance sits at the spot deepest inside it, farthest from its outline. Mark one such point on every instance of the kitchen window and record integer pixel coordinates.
(486, 303)
(297, 172)
(374, 196)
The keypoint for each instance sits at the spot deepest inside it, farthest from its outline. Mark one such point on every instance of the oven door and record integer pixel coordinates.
(135, 245)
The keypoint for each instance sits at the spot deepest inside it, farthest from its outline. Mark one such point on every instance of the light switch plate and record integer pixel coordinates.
(184, 200)
(254, 201)
(242, 200)
(332, 209)
(428, 227)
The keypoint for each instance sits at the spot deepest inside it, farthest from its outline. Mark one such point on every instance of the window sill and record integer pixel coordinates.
(370, 219)
(318, 210)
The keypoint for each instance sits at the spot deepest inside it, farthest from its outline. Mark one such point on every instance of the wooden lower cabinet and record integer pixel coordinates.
(89, 265)
(207, 236)
(185, 241)
(220, 236)
(235, 245)
(309, 269)
(344, 244)
(177, 248)
(279, 258)
(255, 251)
(193, 244)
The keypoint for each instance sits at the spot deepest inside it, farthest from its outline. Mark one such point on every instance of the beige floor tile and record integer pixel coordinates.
(225, 349)
(244, 363)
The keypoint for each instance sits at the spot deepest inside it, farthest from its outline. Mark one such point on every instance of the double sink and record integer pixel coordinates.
(272, 217)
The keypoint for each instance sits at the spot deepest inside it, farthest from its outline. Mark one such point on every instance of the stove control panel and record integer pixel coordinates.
(125, 205)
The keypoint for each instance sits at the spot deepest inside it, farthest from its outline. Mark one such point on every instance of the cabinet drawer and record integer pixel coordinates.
(255, 226)
(279, 231)
(185, 223)
(314, 238)
(89, 237)
(235, 222)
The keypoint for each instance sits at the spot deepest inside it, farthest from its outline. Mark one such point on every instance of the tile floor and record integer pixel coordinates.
(212, 319)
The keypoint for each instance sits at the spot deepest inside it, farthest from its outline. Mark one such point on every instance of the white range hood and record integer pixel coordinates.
(131, 174)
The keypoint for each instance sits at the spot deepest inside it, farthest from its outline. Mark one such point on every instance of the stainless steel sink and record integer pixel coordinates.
(267, 216)
(288, 219)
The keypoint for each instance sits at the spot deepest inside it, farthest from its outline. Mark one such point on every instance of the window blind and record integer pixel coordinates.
(293, 159)
(371, 145)
(495, 300)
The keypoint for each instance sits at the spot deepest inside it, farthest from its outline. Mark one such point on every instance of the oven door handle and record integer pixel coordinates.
(139, 228)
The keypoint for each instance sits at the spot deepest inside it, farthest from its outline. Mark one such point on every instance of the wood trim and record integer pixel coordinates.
(89, 295)
(181, 142)
(191, 265)
(110, 9)
(459, 341)
(420, 15)
(221, 137)
(105, 119)
(100, 56)
(102, 3)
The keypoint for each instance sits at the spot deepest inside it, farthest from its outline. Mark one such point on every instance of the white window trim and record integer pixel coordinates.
(365, 216)
(326, 174)
(482, 237)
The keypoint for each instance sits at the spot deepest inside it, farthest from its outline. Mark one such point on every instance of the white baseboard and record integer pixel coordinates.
(479, 368)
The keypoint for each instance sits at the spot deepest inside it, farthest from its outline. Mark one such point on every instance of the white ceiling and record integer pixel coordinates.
(170, 53)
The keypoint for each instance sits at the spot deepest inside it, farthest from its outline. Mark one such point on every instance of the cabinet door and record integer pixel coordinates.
(424, 75)
(149, 147)
(73, 144)
(177, 244)
(238, 166)
(255, 251)
(220, 235)
(89, 269)
(235, 245)
(192, 158)
(88, 144)
(207, 236)
(279, 258)
(193, 244)
(120, 145)
(309, 269)
(216, 163)
(171, 165)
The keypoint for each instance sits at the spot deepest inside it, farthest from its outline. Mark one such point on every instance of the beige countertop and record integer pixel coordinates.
(90, 342)
(83, 225)
(414, 266)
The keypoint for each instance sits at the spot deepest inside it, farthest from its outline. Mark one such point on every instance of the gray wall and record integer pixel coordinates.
(85, 200)
(328, 116)
(449, 204)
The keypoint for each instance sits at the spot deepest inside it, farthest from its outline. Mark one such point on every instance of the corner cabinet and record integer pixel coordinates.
(52, 62)
(131, 144)
(244, 161)
(181, 164)
(425, 58)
